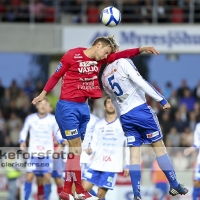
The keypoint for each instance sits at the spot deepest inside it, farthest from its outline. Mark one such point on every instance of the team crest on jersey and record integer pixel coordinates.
(59, 67)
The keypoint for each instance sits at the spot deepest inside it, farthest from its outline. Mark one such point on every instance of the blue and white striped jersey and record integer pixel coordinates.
(126, 87)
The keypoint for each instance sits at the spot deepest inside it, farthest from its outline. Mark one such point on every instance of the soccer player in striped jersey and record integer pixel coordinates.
(41, 126)
(107, 150)
(126, 87)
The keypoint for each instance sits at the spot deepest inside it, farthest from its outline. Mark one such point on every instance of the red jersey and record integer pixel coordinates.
(80, 74)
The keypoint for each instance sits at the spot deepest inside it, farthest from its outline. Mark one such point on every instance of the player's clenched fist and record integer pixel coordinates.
(166, 107)
(88, 151)
(149, 50)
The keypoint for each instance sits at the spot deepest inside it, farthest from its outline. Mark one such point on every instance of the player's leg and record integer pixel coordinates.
(166, 166)
(46, 166)
(106, 182)
(59, 184)
(84, 168)
(135, 171)
(196, 183)
(152, 134)
(70, 117)
(40, 187)
(47, 185)
(102, 193)
(28, 184)
(87, 185)
(134, 141)
(57, 173)
(30, 168)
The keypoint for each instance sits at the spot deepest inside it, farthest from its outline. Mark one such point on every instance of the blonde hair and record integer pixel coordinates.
(114, 43)
(105, 41)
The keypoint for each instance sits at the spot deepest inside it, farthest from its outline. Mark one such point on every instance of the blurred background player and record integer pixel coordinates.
(122, 81)
(41, 126)
(188, 151)
(107, 147)
(57, 166)
(85, 159)
(79, 83)
(160, 182)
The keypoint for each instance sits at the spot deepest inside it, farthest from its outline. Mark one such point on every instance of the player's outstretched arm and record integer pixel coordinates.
(131, 53)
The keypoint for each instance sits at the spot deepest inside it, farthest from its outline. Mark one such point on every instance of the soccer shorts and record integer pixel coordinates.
(100, 179)
(72, 118)
(57, 168)
(141, 126)
(197, 172)
(39, 166)
(84, 169)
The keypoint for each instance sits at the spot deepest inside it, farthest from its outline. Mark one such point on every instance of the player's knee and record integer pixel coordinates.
(101, 193)
(75, 142)
(29, 177)
(47, 178)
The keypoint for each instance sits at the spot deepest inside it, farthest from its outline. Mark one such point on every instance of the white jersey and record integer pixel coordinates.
(126, 87)
(197, 141)
(108, 143)
(41, 133)
(85, 158)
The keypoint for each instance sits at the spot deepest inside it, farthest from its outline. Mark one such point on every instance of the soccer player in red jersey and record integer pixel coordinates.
(79, 69)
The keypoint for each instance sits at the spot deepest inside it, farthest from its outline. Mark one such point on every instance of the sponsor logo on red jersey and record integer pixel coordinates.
(88, 67)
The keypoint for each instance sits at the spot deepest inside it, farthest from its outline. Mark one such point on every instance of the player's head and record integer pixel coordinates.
(102, 48)
(108, 106)
(42, 106)
(116, 47)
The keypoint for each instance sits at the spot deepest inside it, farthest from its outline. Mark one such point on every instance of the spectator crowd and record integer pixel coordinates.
(133, 11)
(177, 125)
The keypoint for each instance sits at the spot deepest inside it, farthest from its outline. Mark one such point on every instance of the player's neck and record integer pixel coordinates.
(42, 115)
(110, 117)
(89, 53)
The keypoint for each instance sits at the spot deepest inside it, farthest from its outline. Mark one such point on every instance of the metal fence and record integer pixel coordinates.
(87, 11)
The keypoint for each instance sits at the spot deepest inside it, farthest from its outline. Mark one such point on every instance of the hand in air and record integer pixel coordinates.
(149, 50)
(39, 98)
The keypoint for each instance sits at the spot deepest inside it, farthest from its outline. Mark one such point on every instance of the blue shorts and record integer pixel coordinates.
(40, 166)
(100, 179)
(72, 118)
(141, 126)
(57, 168)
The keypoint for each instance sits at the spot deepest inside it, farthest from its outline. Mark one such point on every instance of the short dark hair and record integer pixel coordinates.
(105, 42)
(105, 100)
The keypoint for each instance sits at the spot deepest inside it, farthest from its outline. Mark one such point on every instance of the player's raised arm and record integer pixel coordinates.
(131, 53)
(62, 68)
